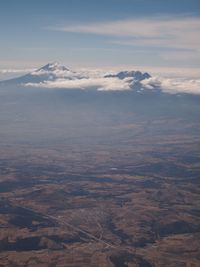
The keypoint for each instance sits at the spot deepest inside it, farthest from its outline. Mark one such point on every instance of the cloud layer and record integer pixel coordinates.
(168, 85)
(98, 83)
(168, 32)
(175, 85)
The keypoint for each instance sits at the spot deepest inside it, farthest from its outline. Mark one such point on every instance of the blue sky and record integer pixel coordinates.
(90, 33)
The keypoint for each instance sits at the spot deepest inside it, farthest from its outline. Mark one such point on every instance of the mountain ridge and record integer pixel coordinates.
(54, 72)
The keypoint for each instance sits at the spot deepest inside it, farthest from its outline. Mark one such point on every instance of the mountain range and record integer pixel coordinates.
(55, 75)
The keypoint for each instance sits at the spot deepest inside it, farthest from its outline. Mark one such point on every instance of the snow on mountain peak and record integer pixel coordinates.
(54, 71)
(136, 75)
(54, 66)
(54, 75)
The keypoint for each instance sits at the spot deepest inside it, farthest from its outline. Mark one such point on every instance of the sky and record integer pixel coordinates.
(151, 34)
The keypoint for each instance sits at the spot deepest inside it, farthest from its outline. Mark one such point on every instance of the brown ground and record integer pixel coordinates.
(131, 201)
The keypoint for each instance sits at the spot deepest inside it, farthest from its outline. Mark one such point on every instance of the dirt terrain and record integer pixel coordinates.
(110, 192)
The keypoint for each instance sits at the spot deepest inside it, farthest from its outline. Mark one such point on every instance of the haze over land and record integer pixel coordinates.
(93, 176)
(100, 153)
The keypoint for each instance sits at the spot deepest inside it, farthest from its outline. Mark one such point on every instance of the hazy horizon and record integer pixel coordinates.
(99, 133)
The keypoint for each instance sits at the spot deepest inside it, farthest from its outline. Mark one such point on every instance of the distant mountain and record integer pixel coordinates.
(49, 72)
(54, 75)
(134, 79)
(137, 75)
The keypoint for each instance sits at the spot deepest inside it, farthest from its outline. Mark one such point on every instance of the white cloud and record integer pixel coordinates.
(170, 85)
(58, 73)
(181, 86)
(101, 84)
(169, 31)
(169, 72)
(174, 85)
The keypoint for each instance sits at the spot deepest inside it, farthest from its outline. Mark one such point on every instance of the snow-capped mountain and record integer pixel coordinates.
(54, 75)
(137, 75)
(54, 71)
(49, 72)
(135, 80)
